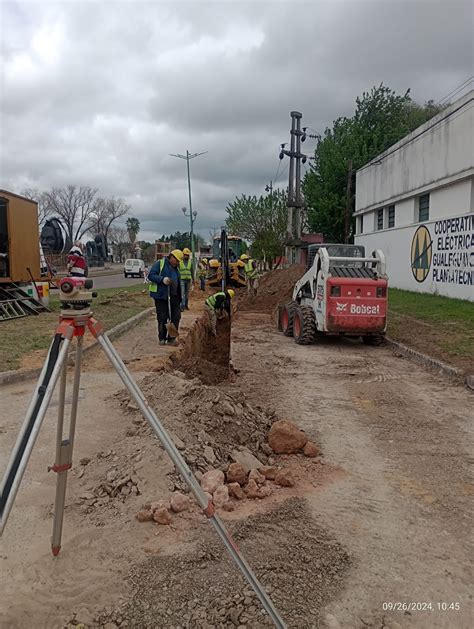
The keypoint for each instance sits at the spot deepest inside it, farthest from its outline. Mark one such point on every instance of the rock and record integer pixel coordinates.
(112, 475)
(221, 496)
(257, 477)
(162, 516)
(85, 460)
(286, 438)
(264, 491)
(144, 515)
(268, 471)
(252, 489)
(236, 474)
(285, 478)
(179, 443)
(236, 491)
(265, 448)
(158, 504)
(88, 495)
(131, 406)
(311, 449)
(209, 454)
(246, 459)
(179, 502)
(211, 480)
(228, 506)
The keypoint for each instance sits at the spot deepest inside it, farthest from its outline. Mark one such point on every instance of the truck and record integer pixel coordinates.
(343, 292)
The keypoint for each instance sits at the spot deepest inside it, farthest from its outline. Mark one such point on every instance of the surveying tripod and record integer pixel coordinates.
(76, 317)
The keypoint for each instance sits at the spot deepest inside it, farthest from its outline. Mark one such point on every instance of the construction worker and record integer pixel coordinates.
(202, 273)
(251, 274)
(186, 272)
(216, 305)
(76, 261)
(165, 288)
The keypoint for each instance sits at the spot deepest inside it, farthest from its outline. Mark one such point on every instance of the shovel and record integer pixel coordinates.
(170, 327)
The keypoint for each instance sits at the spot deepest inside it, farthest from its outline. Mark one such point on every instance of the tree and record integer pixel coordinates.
(261, 220)
(148, 251)
(183, 239)
(105, 213)
(120, 241)
(380, 120)
(39, 197)
(133, 227)
(74, 206)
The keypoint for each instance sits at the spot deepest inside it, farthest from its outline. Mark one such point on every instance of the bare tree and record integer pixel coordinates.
(105, 213)
(120, 241)
(43, 209)
(74, 206)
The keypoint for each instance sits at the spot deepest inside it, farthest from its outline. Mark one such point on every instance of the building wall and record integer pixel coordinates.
(436, 254)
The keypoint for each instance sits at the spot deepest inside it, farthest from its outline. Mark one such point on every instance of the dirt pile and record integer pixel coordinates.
(302, 573)
(207, 423)
(275, 288)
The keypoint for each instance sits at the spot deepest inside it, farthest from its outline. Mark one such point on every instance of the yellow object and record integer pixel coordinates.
(244, 256)
(178, 254)
(231, 292)
(186, 251)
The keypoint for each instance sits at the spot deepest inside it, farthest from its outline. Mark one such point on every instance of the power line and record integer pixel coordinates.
(456, 90)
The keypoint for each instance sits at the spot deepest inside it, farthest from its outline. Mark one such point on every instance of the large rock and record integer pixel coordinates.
(221, 496)
(179, 502)
(144, 515)
(162, 516)
(285, 478)
(286, 438)
(236, 474)
(252, 489)
(257, 477)
(236, 491)
(311, 449)
(264, 491)
(211, 480)
(246, 459)
(268, 471)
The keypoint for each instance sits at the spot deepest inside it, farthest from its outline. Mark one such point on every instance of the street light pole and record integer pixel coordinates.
(192, 215)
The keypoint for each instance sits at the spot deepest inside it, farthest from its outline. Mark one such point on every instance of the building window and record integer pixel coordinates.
(361, 224)
(391, 215)
(380, 218)
(423, 208)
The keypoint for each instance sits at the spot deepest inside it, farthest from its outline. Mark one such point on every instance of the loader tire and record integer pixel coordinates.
(304, 325)
(286, 321)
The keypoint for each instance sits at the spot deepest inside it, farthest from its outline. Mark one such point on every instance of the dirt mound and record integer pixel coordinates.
(200, 415)
(207, 372)
(299, 564)
(275, 288)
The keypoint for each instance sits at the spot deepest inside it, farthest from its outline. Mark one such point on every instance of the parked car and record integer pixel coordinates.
(134, 268)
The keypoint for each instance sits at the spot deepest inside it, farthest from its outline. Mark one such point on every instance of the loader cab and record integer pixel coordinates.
(337, 250)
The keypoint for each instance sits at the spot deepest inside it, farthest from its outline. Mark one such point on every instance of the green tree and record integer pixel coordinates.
(133, 227)
(380, 120)
(261, 220)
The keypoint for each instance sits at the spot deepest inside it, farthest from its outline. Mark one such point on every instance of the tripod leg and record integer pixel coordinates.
(64, 448)
(189, 477)
(16, 468)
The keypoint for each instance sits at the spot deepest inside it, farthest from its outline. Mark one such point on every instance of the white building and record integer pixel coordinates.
(415, 201)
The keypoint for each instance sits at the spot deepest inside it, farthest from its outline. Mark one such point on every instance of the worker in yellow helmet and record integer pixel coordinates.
(216, 305)
(251, 274)
(165, 288)
(186, 272)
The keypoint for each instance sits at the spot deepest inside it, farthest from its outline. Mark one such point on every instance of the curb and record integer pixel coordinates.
(10, 377)
(433, 363)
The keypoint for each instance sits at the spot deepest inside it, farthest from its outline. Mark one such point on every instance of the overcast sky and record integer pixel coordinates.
(99, 93)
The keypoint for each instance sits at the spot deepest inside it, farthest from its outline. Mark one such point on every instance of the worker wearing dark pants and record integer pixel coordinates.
(165, 289)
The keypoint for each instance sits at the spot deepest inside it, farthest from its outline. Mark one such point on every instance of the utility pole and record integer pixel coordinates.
(192, 214)
(295, 201)
(347, 212)
(269, 188)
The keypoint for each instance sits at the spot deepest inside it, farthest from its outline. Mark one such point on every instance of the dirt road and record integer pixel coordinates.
(384, 520)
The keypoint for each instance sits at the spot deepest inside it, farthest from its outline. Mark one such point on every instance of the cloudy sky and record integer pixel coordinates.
(99, 93)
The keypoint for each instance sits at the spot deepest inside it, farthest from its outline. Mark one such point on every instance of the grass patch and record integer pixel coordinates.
(434, 324)
(21, 337)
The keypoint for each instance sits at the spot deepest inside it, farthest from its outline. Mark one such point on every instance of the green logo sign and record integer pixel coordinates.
(421, 253)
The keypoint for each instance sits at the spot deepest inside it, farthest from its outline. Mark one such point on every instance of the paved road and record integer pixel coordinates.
(115, 281)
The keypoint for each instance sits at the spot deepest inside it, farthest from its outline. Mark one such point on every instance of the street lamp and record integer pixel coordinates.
(193, 215)
(192, 218)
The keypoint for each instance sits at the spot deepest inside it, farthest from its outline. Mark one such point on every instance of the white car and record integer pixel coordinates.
(134, 268)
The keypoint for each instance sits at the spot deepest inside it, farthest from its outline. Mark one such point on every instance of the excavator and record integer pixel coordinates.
(225, 263)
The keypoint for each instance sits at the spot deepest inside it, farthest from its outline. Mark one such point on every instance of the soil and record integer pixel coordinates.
(382, 517)
(274, 288)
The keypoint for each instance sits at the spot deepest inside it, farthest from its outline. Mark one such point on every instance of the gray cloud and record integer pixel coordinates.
(100, 93)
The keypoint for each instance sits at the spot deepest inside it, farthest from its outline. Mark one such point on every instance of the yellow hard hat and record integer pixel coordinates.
(186, 251)
(178, 254)
(231, 293)
(244, 256)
